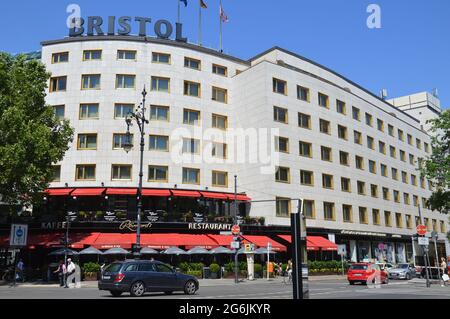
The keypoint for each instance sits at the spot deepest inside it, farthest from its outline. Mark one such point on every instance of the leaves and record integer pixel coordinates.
(29, 140)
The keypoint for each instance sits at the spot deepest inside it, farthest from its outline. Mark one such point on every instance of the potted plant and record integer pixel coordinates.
(82, 215)
(262, 221)
(165, 216)
(188, 217)
(247, 220)
(91, 271)
(215, 269)
(120, 215)
(99, 215)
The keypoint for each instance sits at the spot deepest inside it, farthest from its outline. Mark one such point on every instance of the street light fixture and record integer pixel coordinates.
(141, 120)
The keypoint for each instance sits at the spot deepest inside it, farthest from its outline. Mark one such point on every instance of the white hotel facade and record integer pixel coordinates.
(352, 156)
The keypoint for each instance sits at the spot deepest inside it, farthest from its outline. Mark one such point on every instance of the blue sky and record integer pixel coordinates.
(409, 54)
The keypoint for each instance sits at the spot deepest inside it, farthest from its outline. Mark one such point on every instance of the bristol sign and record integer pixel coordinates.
(123, 26)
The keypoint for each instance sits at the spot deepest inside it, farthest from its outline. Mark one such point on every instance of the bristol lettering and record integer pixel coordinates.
(123, 26)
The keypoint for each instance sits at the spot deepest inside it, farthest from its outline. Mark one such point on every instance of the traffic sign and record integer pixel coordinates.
(342, 250)
(235, 245)
(422, 230)
(236, 230)
(423, 241)
(18, 236)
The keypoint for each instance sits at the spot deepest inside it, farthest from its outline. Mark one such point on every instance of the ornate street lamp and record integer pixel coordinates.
(139, 117)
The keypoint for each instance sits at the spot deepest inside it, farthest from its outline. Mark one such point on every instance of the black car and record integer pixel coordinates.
(140, 276)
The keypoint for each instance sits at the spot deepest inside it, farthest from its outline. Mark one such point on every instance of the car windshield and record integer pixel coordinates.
(113, 267)
(403, 266)
(358, 267)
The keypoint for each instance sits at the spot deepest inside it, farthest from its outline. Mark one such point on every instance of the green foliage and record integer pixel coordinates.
(242, 265)
(91, 267)
(436, 167)
(229, 267)
(258, 269)
(31, 137)
(195, 273)
(184, 267)
(214, 268)
(334, 266)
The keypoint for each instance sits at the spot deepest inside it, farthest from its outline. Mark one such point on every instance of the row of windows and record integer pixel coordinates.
(156, 173)
(323, 100)
(283, 209)
(131, 55)
(90, 111)
(128, 81)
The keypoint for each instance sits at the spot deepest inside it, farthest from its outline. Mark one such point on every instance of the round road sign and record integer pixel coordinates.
(236, 230)
(421, 230)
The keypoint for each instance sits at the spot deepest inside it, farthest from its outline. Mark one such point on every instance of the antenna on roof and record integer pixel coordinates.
(384, 94)
(435, 93)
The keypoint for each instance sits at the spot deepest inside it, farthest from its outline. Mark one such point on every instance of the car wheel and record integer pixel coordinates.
(408, 277)
(190, 288)
(137, 289)
(116, 293)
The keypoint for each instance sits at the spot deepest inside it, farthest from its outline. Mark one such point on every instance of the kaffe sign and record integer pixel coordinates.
(96, 25)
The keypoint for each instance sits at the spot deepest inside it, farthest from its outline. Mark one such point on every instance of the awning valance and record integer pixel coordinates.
(88, 192)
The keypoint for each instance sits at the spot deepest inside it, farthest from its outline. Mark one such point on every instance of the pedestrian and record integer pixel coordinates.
(61, 271)
(444, 266)
(70, 270)
(289, 268)
(19, 270)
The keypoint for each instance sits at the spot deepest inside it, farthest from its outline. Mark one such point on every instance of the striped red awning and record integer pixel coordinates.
(239, 197)
(88, 192)
(214, 195)
(59, 191)
(121, 191)
(314, 243)
(156, 193)
(192, 194)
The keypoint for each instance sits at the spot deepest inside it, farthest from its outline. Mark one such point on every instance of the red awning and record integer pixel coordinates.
(164, 241)
(107, 241)
(262, 241)
(59, 191)
(224, 240)
(121, 191)
(214, 195)
(79, 241)
(314, 243)
(239, 197)
(88, 192)
(178, 193)
(156, 193)
(47, 240)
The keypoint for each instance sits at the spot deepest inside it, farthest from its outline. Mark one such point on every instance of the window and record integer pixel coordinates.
(388, 219)
(390, 130)
(88, 111)
(356, 113)
(396, 196)
(282, 174)
(325, 127)
(90, 82)
(124, 81)
(126, 55)
(372, 167)
(357, 137)
(418, 144)
(342, 132)
(401, 135)
(369, 119)
(408, 219)
(435, 228)
(219, 70)
(85, 172)
(326, 154)
(361, 188)
(398, 220)
(394, 173)
(191, 117)
(219, 122)
(191, 176)
(307, 178)
(380, 125)
(402, 156)
(192, 63)
(160, 84)
(304, 120)
(219, 179)
(309, 209)
(344, 158)
(87, 141)
(121, 172)
(60, 57)
(58, 83)
(159, 143)
(427, 223)
(327, 181)
(418, 222)
(122, 110)
(347, 214)
(359, 162)
(384, 170)
(158, 174)
(328, 211)
(160, 58)
(443, 228)
(412, 160)
(191, 146)
(159, 113)
(305, 149)
(281, 144)
(191, 88)
(346, 185)
(219, 95)
(363, 216)
(59, 111)
(56, 173)
(382, 147)
(405, 177)
(119, 140)
(324, 100)
(406, 199)
(219, 150)
(91, 55)
(376, 217)
(340, 107)
(409, 139)
(413, 180)
(393, 151)
(279, 86)
(303, 93)
(374, 191)
(422, 182)
(427, 147)
(370, 142)
(280, 115)
(283, 207)
(386, 195)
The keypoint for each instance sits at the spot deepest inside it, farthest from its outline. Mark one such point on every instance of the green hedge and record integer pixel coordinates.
(327, 266)
(195, 273)
(214, 268)
(91, 267)
(185, 267)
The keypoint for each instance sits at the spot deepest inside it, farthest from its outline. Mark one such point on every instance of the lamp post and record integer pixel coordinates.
(141, 120)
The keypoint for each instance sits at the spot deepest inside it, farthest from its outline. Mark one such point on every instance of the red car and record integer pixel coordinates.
(366, 272)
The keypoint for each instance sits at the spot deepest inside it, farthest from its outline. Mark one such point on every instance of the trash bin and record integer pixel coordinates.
(206, 273)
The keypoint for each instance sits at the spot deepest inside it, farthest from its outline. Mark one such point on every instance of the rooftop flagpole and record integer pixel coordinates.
(220, 19)
(199, 23)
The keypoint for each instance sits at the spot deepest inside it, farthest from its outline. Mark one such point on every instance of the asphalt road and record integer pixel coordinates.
(329, 289)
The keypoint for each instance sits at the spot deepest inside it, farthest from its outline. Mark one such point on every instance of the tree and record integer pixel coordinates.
(437, 166)
(31, 137)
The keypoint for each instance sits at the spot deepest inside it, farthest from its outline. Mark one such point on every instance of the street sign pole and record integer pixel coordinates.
(425, 250)
(435, 236)
(297, 254)
(268, 260)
